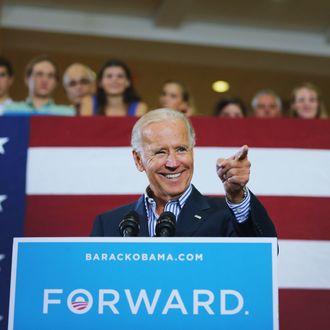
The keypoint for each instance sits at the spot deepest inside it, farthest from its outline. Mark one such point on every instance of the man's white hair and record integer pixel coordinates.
(158, 115)
(90, 74)
(266, 92)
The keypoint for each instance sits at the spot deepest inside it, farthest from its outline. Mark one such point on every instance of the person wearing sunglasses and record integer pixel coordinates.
(78, 82)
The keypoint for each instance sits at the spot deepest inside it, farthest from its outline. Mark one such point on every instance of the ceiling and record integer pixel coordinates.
(284, 26)
(299, 15)
(255, 43)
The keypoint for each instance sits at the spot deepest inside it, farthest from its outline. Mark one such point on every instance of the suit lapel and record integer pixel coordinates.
(141, 210)
(192, 216)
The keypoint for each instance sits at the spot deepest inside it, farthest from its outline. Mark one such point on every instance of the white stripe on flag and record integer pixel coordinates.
(304, 264)
(90, 171)
(274, 172)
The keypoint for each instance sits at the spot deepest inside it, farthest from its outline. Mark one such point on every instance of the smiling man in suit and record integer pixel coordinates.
(163, 142)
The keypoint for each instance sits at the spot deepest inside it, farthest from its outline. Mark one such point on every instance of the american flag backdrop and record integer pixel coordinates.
(56, 174)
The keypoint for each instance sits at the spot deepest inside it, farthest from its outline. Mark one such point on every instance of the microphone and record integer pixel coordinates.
(165, 226)
(130, 225)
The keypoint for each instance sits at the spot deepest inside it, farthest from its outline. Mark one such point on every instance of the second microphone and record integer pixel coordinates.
(165, 226)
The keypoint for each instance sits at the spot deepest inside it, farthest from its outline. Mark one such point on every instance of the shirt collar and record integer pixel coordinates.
(181, 200)
(30, 103)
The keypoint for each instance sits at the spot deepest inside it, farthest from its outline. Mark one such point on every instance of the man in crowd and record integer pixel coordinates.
(6, 80)
(163, 142)
(78, 82)
(41, 78)
(266, 104)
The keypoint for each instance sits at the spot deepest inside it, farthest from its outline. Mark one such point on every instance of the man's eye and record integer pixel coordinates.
(160, 152)
(182, 149)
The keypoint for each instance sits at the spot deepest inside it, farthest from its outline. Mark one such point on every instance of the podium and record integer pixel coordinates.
(145, 283)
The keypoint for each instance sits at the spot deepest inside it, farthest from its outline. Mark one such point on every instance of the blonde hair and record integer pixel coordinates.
(321, 109)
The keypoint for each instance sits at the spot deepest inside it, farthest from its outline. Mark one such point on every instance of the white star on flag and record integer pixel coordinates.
(2, 198)
(3, 140)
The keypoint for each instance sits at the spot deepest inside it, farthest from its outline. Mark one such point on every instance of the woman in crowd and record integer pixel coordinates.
(175, 95)
(230, 107)
(306, 102)
(116, 95)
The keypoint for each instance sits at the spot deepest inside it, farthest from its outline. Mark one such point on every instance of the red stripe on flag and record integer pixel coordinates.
(100, 131)
(53, 215)
(66, 216)
(299, 217)
(81, 132)
(272, 133)
(304, 309)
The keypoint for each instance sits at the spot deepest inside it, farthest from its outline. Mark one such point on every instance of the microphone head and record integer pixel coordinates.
(165, 226)
(130, 225)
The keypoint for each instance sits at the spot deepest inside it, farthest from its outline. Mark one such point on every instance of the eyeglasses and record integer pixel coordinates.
(83, 81)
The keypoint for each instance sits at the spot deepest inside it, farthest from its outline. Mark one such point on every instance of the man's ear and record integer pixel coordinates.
(138, 161)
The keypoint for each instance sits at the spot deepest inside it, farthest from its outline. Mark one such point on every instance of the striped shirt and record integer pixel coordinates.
(241, 210)
(173, 206)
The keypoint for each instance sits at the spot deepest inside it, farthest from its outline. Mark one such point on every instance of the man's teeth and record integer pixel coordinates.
(172, 176)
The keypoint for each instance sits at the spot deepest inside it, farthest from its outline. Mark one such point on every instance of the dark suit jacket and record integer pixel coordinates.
(215, 219)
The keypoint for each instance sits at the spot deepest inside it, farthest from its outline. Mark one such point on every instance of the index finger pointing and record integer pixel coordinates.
(242, 153)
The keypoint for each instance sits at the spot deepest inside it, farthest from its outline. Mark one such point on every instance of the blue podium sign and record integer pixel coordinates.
(150, 283)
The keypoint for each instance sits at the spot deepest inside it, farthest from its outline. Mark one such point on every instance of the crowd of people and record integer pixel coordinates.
(111, 92)
(306, 102)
